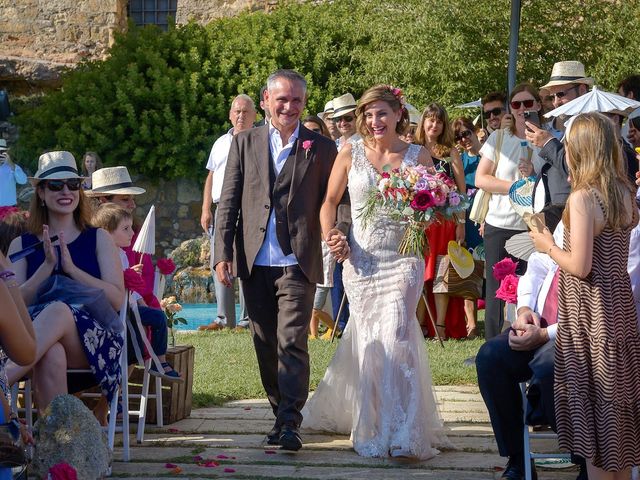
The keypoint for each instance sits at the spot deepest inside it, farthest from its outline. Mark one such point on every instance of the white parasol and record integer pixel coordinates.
(146, 241)
(596, 101)
(474, 104)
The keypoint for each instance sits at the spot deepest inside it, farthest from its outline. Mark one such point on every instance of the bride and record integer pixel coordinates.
(378, 385)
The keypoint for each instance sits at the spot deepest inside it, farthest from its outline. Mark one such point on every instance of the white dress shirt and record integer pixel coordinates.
(8, 180)
(217, 163)
(534, 285)
(270, 253)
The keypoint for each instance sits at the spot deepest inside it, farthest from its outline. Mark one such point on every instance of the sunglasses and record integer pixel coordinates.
(73, 184)
(515, 104)
(494, 112)
(346, 118)
(562, 93)
(462, 135)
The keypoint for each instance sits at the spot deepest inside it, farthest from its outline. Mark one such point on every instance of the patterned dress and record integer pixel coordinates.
(597, 363)
(378, 385)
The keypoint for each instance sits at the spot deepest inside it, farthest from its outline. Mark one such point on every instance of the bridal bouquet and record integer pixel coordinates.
(415, 196)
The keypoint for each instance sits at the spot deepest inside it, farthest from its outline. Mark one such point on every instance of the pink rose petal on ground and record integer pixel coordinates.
(223, 457)
(197, 458)
(174, 430)
(229, 470)
(210, 464)
(270, 452)
(170, 465)
(233, 458)
(247, 408)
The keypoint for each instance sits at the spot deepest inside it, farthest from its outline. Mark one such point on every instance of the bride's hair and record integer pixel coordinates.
(384, 93)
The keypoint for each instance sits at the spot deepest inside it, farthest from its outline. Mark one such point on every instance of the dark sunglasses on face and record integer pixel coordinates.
(73, 184)
(515, 104)
(493, 112)
(562, 93)
(462, 135)
(346, 118)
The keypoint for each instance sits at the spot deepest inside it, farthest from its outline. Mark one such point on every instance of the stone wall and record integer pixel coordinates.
(203, 11)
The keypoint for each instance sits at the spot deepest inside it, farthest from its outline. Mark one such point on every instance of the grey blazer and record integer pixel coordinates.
(245, 201)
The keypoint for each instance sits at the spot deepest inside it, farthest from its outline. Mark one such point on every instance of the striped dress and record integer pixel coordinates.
(597, 362)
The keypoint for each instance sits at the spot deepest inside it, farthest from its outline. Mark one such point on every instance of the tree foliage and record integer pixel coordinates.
(161, 98)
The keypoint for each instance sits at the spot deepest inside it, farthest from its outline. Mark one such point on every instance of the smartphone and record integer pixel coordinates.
(531, 116)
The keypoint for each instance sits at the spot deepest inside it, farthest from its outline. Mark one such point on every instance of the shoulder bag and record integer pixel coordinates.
(480, 206)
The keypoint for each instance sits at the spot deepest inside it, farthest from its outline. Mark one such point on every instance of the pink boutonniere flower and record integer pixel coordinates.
(306, 145)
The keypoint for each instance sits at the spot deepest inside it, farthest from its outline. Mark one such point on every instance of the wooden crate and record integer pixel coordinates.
(176, 397)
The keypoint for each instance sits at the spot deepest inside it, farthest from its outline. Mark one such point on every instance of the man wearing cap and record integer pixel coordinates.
(242, 115)
(10, 175)
(567, 82)
(344, 117)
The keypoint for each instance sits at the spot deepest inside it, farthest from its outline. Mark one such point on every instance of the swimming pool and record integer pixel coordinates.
(198, 314)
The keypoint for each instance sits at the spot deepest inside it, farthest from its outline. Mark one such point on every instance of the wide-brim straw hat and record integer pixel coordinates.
(112, 181)
(3, 145)
(56, 165)
(567, 72)
(342, 105)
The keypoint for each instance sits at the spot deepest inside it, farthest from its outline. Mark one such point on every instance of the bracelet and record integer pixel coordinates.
(7, 275)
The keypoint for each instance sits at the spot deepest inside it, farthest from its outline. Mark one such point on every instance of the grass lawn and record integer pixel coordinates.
(226, 367)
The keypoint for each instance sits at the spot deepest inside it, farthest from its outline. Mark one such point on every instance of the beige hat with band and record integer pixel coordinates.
(564, 73)
(112, 181)
(56, 165)
(342, 105)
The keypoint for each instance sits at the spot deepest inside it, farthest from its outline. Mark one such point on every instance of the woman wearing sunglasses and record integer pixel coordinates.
(502, 222)
(67, 335)
(468, 143)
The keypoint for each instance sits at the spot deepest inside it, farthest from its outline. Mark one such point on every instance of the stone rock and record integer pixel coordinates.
(193, 285)
(188, 253)
(188, 191)
(68, 432)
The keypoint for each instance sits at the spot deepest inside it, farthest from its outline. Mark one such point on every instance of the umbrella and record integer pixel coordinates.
(146, 241)
(596, 101)
(474, 104)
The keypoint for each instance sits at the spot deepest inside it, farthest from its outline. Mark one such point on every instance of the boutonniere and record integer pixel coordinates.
(306, 146)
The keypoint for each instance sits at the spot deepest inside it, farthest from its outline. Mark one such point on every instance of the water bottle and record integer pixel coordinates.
(525, 167)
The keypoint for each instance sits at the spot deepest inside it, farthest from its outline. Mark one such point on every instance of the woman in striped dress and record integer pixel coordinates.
(597, 363)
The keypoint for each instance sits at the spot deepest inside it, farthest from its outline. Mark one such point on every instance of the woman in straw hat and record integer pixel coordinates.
(67, 336)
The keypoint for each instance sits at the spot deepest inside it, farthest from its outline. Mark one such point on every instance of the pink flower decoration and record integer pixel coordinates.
(222, 457)
(422, 200)
(307, 144)
(166, 266)
(170, 465)
(270, 452)
(62, 471)
(508, 290)
(210, 464)
(385, 175)
(504, 267)
(229, 470)
(197, 458)
(439, 197)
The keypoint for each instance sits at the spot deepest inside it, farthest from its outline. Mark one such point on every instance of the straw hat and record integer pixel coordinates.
(3, 145)
(343, 105)
(327, 112)
(55, 165)
(567, 72)
(112, 181)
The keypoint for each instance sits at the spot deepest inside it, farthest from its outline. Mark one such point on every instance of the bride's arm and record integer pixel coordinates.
(335, 239)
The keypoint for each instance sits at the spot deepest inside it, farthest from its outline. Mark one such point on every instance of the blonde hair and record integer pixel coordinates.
(444, 142)
(39, 213)
(109, 216)
(594, 158)
(382, 93)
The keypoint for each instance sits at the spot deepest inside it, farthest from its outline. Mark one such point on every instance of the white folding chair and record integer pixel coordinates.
(528, 454)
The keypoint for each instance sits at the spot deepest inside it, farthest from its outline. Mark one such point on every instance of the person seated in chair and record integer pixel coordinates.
(526, 353)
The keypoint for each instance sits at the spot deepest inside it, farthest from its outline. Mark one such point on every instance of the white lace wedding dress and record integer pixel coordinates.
(377, 387)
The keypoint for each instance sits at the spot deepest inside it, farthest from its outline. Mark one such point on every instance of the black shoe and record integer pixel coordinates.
(582, 473)
(515, 469)
(273, 437)
(290, 438)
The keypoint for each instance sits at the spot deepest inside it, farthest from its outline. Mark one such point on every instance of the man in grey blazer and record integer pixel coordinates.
(275, 181)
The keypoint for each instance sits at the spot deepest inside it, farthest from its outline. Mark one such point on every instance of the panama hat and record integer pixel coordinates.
(327, 112)
(567, 72)
(112, 181)
(3, 145)
(342, 105)
(54, 166)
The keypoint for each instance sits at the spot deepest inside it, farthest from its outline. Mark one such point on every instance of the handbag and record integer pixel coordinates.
(480, 206)
(448, 281)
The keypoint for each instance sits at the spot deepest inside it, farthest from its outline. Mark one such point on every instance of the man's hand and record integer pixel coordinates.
(526, 333)
(224, 272)
(205, 219)
(536, 135)
(338, 245)
(506, 121)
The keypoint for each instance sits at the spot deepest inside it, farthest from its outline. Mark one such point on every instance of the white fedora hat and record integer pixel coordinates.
(567, 72)
(112, 181)
(327, 112)
(342, 105)
(55, 165)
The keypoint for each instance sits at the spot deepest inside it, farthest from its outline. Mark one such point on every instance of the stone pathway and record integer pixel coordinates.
(232, 439)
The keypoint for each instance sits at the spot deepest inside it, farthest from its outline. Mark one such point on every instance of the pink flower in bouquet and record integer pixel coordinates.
(384, 184)
(439, 197)
(385, 175)
(174, 307)
(444, 178)
(165, 302)
(421, 184)
(454, 199)
(422, 200)
(504, 267)
(166, 266)
(508, 290)
(62, 471)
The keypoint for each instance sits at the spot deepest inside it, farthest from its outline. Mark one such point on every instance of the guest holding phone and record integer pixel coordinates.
(10, 175)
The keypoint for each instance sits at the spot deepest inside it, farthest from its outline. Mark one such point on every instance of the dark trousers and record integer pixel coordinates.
(494, 251)
(279, 302)
(156, 320)
(500, 370)
(337, 291)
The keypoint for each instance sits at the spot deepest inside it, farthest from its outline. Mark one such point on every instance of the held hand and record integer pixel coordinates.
(543, 241)
(205, 219)
(224, 272)
(525, 168)
(506, 121)
(137, 268)
(338, 245)
(529, 338)
(460, 233)
(536, 135)
(68, 266)
(526, 317)
(50, 255)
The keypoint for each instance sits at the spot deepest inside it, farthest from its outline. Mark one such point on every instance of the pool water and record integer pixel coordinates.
(198, 314)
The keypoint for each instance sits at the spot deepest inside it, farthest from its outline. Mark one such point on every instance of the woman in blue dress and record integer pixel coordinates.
(67, 335)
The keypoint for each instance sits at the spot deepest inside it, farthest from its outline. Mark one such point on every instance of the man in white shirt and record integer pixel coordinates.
(526, 353)
(242, 115)
(10, 175)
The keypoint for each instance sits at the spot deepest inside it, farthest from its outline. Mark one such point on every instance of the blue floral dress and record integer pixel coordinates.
(101, 346)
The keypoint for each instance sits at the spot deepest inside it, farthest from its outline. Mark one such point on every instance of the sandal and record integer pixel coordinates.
(170, 375)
